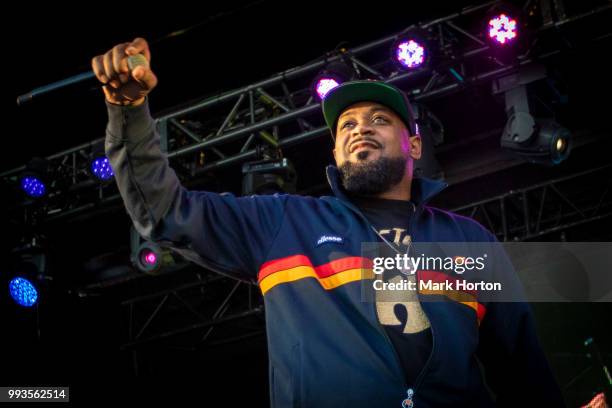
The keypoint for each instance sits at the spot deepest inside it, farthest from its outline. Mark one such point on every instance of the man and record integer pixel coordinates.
(328, 347)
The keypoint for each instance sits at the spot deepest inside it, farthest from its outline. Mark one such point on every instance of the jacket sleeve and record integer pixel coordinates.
(224, 233)
(515, 366)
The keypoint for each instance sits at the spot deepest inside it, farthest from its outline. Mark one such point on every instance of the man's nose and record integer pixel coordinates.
(362, 128)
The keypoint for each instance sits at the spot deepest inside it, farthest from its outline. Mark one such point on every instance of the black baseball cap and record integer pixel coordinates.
(349, 93)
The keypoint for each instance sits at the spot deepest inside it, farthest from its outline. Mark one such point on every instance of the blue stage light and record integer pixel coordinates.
(23, 292)
(101, 169)
(33, 186)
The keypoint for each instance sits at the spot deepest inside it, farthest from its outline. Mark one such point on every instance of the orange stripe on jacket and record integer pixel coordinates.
(329, 275)
(350, 269)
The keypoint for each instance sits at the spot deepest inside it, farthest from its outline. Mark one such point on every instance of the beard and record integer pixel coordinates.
(373, 177)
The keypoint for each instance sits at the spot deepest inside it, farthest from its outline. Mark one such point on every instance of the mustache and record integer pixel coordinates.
(363, 140)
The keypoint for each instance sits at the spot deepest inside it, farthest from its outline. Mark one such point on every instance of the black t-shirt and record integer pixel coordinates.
(411, 339)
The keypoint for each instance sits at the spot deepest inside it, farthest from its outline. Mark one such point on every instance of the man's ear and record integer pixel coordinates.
(415, 147)
(334, 152)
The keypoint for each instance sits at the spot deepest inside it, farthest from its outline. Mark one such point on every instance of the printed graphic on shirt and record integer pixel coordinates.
(408, 312)
(399, 236)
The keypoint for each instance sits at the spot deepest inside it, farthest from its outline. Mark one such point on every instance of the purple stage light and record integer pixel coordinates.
(410, 54)
(502, 29)
(149, 257)
(324, 85)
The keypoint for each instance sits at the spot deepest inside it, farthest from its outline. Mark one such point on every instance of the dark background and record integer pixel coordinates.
(232, 44)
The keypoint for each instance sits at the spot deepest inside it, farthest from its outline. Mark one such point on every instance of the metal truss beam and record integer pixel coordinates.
(151, 318)
(546, 208)
(281, 112)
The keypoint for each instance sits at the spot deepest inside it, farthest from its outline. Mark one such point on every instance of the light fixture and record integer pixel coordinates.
(99, 166)
(28, 273)
(33, 181)
(502, 29)
(330, 77)
(542, 141)
(411, 50)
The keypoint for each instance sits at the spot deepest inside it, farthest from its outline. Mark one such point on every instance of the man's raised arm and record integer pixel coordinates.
(220, 231)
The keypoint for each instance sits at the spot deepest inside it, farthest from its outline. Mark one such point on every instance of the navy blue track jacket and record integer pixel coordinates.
(326, 345)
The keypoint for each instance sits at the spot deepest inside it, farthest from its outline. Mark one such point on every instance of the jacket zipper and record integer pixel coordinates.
(411, 391)
(384, 332)
(379, 325)
(421, 375)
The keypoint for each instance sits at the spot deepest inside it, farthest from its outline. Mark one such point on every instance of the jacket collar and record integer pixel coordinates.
(423, 189)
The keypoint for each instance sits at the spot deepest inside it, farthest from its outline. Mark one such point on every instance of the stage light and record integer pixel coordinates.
(324, 85)
(332, 76)
(99, 166)
(23, 292)
(410, 53)
(541, 141)
(410, 50)
(269, 176)
(561, 145)
(101, 169)
(503, 25)
(530, 131)
(34, 178)
(149, 257)
(152, 259)
(27, 273)
(502, 29)
(33, 187)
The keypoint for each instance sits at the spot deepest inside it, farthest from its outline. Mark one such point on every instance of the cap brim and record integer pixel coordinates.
(350, 93)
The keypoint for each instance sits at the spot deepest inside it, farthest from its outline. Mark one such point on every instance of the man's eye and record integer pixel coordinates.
(346, 124)
(380, 119)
